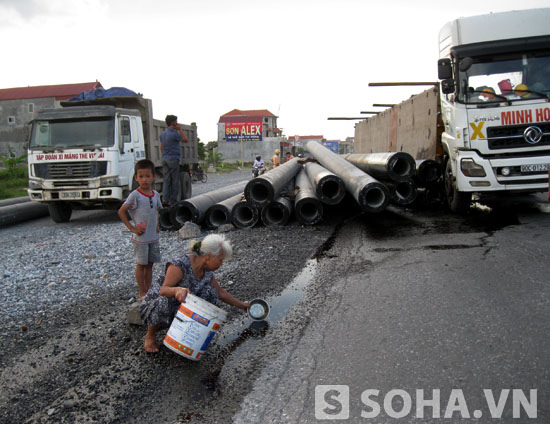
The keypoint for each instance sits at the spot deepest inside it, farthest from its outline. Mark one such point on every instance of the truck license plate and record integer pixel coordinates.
(535, 168)
(70, 194)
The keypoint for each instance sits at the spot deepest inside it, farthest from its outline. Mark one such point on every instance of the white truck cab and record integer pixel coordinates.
(495, 104)
(82, 156)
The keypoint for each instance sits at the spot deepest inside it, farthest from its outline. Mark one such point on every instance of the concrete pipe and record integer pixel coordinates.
(165, 219)
(329, 187)
(245, 215)
(307, 207)
(194, 209)
(370, 194)
(428, 171)
(263, 189)
(14, 201)
(22, 211)
(277, 212)
(220, 213)
(394, 166)
(403, 192)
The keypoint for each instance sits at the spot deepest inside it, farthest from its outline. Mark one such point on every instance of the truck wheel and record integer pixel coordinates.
(457, 201)
(186, 188)
(60, 212)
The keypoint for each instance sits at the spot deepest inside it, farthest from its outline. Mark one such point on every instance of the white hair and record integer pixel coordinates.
(213, 244)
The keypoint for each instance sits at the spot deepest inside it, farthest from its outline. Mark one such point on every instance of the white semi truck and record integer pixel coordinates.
(82, 155)
(488, 123)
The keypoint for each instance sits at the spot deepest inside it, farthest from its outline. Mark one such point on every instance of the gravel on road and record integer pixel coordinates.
(68, 354)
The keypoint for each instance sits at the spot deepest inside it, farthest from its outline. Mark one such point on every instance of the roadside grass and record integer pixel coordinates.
(13, 182)
(228, 167)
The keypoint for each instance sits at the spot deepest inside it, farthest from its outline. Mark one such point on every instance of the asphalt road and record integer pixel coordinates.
(397, 302)
(411, 301)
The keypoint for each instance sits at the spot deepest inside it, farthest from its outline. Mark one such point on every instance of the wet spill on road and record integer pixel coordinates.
(240, 336)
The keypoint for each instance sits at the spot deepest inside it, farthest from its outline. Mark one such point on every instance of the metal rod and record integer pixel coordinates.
(394, 84)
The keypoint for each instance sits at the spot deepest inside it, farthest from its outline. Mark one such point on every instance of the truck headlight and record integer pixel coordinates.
(471, 169)
(109, 182)
(34, 184)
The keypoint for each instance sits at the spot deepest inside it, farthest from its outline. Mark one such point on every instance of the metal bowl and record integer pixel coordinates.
(258, 310)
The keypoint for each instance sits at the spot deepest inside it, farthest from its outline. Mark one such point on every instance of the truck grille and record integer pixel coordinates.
(70, 170)
(510, 137)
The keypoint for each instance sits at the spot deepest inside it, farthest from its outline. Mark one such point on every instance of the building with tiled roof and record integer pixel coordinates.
(17, 107)
(244, 134)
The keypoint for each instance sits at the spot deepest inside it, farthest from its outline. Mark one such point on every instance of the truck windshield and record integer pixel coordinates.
(510, 77)
(94, 132)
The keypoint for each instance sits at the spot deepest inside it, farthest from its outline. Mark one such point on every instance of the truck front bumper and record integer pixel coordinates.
(107, 194)
(505, 174)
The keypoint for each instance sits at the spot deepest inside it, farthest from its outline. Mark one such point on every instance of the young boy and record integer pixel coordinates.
(143, 205)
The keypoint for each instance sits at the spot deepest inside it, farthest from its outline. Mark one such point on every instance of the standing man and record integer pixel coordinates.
(170, 141)
(275, 158)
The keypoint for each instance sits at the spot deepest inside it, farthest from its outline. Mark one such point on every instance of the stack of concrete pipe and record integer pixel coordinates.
(301, 187)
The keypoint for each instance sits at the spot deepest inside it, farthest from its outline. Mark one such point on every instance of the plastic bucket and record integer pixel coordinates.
(194, 326)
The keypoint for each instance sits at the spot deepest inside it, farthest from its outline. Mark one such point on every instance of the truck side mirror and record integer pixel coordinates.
(448, 86)
(444, 69)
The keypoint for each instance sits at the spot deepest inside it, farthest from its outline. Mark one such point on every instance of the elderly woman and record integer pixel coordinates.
(191, 273)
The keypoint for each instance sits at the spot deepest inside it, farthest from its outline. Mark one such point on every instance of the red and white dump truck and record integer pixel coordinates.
(488, 119)
(82, 155)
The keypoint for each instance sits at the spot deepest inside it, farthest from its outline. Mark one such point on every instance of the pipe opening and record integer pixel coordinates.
(429, 173)
(402, 167)
(375, 198)
(218, 217)
(275, 214)
(331, 189)
(403, 191)
(244, 214)
(308, 211)
(164, 219)
(183, 214)
(259, 193)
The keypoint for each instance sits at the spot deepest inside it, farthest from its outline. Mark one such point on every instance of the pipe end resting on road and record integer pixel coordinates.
(374, 197)
(245, 215)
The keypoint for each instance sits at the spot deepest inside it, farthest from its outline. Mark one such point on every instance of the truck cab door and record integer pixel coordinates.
(126, 149)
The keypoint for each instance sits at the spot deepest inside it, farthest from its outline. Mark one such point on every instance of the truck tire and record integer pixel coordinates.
(186, 188)
(60, 211)
(457, 201)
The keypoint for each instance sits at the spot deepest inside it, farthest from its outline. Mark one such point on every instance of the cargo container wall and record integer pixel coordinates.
(412, 126)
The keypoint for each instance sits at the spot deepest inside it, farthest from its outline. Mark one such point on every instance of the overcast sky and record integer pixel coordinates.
(303, 60)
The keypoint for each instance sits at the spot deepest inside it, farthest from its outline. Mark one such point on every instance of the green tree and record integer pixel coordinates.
(214, 158)
(11, 161)
(202, 151)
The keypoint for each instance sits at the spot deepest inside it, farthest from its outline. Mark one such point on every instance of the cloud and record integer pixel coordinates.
(20, 12)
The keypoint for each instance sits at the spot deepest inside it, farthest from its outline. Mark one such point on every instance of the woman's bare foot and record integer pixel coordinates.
(151, 342)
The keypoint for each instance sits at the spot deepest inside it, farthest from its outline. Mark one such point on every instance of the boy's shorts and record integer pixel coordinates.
(146, 253)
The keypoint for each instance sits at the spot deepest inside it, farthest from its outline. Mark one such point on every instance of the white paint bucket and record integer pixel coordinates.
(195, 324)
